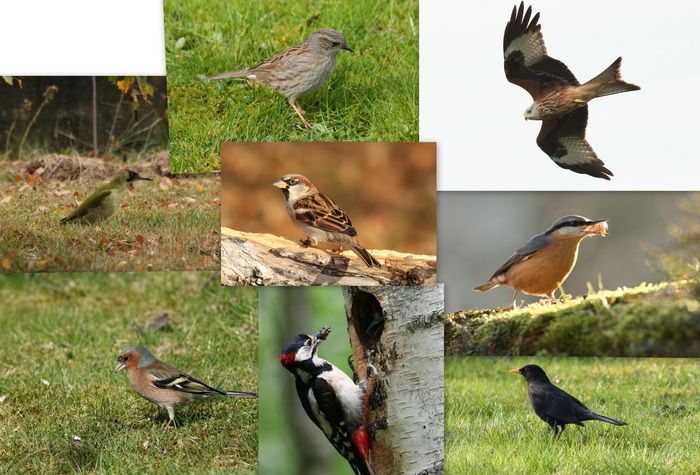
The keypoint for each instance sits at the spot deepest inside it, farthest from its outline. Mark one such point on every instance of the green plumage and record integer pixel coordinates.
(105, 200)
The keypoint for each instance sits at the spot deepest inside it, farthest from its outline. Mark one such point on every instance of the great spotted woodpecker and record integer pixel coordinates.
(330, 398)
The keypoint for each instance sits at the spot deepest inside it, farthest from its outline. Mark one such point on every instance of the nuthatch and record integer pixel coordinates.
(105, 200)
(543, 263)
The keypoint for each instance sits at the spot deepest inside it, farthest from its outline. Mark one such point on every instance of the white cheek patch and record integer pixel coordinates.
(303, 354)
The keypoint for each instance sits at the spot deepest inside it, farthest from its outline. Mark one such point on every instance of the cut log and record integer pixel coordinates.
(266, 259)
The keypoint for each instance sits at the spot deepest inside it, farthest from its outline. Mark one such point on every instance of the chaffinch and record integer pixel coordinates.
(163, 384)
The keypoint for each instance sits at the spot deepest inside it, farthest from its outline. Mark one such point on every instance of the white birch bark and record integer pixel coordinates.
(406, 397)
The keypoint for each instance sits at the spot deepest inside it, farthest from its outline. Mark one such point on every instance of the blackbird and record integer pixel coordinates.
(555, 406)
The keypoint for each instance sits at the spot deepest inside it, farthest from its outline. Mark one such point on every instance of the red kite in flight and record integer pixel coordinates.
(560, 101)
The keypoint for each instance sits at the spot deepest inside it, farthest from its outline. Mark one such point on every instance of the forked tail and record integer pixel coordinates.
(610, 81)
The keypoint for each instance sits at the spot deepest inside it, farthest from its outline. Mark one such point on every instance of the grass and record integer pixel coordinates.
(647, 320)
(166, 224)
(371, 96)
(490, 427)
(60, 335)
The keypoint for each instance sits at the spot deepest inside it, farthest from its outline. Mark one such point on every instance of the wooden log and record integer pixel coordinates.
(266, 259)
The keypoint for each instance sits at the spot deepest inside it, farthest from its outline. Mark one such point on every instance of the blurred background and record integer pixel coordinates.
(95, 116)
(387, 189)
(289, 443)
(652, 235)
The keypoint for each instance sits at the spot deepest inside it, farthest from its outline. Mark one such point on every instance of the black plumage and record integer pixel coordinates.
(555, 406)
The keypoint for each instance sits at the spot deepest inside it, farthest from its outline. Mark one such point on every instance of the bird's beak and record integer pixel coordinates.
(347, 48)
(321, 336)
(516, 371)
(120, 366)
(281, 184)
(599, 226)
(143, 178)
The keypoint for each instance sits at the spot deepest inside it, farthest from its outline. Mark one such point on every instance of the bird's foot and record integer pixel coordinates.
(305, 242)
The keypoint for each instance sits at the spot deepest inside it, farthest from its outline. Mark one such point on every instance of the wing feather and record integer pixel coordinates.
(526, 62)
(320, 211)
(527, 250)
(564, 141)
(182, 382)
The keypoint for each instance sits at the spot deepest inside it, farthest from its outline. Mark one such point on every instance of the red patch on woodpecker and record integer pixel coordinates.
(361, 439)
(286, 358)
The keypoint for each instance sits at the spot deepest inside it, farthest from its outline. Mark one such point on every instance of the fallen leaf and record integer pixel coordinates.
(2, 398)
(140, 239)
(6, 263)
(5, 199)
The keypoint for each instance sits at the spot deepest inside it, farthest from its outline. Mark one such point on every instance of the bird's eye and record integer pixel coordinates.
(293, 181)
(336, 44)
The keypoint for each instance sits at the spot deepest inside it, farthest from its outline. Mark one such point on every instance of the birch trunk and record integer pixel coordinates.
(265, 259)
(403, 329)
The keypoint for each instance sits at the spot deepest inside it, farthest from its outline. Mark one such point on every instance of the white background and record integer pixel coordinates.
(81, 38)
(647, 138)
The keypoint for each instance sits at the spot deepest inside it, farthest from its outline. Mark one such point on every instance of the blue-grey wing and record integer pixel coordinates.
(530, 248)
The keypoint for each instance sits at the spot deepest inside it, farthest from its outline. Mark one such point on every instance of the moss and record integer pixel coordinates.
(647, 320)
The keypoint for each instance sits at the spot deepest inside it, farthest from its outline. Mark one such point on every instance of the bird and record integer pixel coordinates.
(555, 406)
(104, 201)
(319, 217)
(164, 385)
(297, 70)
(330, 398)
(544, 262)
(560, 101)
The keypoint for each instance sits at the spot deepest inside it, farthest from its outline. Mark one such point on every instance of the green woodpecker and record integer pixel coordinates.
(105, 200)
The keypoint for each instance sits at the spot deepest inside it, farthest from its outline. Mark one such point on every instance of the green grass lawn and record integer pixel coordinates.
(371, 96)
(490, 427)
(60, 335)
(165, 224)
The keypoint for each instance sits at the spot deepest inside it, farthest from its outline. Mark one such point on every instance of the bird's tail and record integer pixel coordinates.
(240, 394)
(231, 74)
(366, 256)
(487, 286)
(610, 81)
(609, 420)
(361, 467)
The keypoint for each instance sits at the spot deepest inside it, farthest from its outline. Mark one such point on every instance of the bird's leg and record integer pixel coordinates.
(305, 242)
(561, 429)
(300, 112)
(171, 418)
(515, 296)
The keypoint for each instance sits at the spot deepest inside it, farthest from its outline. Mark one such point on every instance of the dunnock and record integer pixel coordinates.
(297, 70)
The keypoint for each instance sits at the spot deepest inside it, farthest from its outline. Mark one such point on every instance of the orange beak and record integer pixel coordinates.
(516, 371)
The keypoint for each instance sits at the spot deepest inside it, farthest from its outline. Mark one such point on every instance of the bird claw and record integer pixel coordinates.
(305, 242)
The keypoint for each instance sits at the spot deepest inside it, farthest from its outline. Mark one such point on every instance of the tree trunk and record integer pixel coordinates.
(95, 150)
(265, 259)
(402, 327)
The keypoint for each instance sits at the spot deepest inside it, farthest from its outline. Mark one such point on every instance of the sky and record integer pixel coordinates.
(647, 138)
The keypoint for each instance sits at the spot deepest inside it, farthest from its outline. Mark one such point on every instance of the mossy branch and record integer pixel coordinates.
(647, 320)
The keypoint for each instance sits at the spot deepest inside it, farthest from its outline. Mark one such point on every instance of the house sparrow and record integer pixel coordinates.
(163, 384)
(319, 217)
(297, 70)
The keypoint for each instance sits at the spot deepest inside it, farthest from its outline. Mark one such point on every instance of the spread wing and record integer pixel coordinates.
(527, 250)
(170, 378)
(525, 57)
(564, 140)
(321, 212)
(97, 197)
